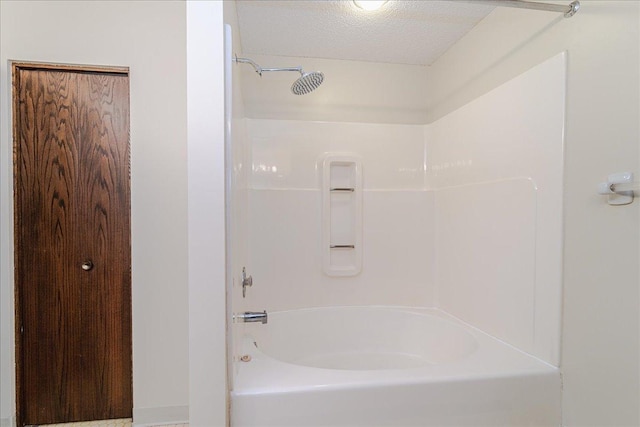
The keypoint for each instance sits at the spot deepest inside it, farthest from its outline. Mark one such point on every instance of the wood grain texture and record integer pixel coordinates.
(72, 204)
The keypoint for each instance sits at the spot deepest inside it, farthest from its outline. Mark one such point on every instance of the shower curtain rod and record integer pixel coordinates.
(569, 11)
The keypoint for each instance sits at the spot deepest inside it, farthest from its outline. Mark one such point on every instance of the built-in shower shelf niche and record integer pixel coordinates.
(341, 215)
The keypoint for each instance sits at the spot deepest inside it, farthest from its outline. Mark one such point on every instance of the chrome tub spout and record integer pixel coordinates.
(251, 317)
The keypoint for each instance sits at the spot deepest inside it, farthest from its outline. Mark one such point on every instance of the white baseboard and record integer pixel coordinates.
(147, 417)
(142, 417)
(8, 422)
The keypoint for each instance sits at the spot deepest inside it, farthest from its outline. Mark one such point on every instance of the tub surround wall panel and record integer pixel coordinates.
(238, 184)
(463, 210)
(288, 154)
(514, 131)
(240, 204)
(285, 215)
(486, 257)
(285, 251)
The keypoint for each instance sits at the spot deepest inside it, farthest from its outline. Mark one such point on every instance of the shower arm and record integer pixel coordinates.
(568, 11)
(260, 70)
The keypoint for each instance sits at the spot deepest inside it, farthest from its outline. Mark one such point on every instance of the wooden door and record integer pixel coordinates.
(72, 243)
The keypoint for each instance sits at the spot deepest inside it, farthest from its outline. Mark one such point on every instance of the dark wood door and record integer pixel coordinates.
(72, 243)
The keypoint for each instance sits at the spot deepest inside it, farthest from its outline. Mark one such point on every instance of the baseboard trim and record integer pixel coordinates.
(148, 417)
(142, 417)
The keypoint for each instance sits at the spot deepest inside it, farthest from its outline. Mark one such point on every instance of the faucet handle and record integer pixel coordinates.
(246, 282)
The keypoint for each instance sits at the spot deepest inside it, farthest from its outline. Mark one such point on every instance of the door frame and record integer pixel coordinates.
(15, 66)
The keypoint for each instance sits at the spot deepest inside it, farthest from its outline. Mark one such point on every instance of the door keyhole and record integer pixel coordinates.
(87, 265)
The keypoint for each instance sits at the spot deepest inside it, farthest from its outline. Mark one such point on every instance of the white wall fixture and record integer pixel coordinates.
(342, 215)
(619, 187)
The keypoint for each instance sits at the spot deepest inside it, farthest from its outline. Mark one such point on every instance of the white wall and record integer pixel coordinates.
(150, 38)
(207, 117)
(600, 349)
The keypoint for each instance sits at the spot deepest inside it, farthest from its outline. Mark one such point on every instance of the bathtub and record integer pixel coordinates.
(385, 366)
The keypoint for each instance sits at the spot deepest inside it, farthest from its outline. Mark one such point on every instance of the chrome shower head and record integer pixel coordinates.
(308, 82)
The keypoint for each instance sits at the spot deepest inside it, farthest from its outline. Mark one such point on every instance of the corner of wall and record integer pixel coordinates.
(208, 388)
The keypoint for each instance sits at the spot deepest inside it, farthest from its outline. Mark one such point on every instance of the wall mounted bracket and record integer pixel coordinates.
(620, 188)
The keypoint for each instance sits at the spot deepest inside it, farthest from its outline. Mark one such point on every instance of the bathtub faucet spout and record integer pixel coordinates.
(251, 316)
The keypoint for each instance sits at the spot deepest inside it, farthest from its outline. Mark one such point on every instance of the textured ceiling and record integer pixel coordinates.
(402, 32)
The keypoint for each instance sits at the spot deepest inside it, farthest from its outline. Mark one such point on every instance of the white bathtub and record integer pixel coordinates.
(382, 366)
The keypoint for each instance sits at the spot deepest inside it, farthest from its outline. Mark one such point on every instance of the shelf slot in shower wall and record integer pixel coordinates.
(342, 215)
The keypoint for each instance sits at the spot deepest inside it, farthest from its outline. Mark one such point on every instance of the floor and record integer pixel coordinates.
(124, 422)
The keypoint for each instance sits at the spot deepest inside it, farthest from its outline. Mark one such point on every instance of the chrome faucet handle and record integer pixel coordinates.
(246, 282)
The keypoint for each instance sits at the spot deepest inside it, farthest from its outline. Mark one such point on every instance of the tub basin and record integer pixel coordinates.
(386, 366)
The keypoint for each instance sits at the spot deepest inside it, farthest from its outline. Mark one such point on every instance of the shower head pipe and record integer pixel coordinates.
(261, 70)
(306, 83)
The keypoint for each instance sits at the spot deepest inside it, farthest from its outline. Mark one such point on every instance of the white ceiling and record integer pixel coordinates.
(401, 32)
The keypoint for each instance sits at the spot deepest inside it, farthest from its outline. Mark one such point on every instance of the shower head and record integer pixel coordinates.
(307, 82)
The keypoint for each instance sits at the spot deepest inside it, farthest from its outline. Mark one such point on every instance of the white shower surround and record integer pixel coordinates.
(484, 181)
(463, 216)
